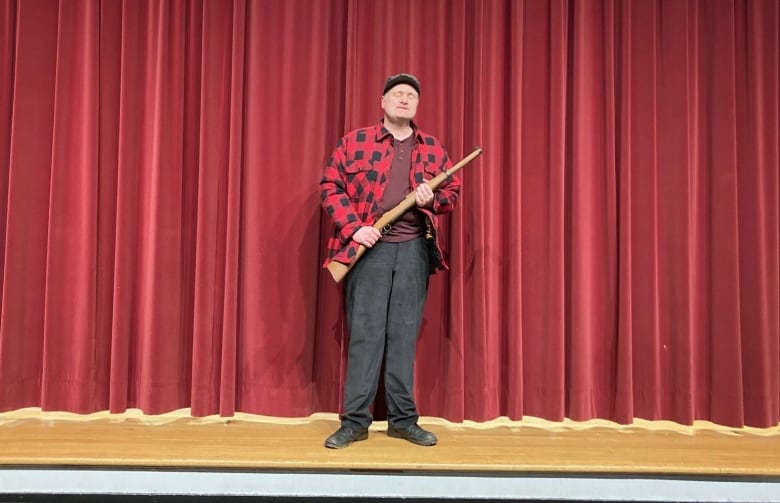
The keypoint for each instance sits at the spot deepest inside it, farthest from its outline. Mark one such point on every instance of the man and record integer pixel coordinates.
(371, 170)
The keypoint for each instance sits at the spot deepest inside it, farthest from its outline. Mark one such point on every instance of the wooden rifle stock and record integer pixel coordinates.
(339, 270)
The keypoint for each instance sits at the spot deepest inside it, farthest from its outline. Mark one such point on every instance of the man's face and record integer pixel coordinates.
(400, 102)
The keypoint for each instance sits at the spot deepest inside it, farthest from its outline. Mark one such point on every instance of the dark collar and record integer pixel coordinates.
(382, 132)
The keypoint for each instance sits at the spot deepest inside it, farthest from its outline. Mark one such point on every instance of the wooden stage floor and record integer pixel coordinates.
(33, 438)
(274, 458)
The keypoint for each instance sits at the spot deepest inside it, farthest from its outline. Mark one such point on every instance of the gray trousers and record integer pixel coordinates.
(385, 296)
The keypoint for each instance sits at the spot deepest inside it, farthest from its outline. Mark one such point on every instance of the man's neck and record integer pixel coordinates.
(399, 129)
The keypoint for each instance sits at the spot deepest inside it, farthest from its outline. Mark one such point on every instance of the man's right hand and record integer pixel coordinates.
(367, 236)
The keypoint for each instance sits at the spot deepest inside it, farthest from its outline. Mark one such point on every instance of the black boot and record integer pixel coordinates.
(345, 436)
(414, 434)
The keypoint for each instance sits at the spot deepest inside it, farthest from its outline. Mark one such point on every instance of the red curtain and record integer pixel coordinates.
(615, 253)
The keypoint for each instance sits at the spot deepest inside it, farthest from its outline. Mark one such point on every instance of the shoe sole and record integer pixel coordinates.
(395, 434)
(362, 436)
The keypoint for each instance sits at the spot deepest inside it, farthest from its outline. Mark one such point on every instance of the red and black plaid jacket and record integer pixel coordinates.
(355, 178)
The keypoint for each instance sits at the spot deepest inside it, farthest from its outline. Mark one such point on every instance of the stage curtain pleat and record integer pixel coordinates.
(614, 253)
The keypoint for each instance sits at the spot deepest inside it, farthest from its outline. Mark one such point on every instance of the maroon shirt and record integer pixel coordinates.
(412, 223)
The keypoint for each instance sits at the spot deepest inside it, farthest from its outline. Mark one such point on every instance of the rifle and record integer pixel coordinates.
(339, 270)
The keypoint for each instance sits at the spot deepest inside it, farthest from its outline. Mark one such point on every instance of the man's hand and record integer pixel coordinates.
(423, 196)
(367, 236)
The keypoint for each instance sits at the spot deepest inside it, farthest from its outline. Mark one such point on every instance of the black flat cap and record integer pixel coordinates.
(401, 78)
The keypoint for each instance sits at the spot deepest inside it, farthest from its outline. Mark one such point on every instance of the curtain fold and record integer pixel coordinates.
(71, 352)
(31, 57)
(614, 254)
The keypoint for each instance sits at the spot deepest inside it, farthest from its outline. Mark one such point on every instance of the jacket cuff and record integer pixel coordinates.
(348, 230)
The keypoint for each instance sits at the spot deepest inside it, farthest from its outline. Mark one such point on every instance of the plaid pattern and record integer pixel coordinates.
(355, 178)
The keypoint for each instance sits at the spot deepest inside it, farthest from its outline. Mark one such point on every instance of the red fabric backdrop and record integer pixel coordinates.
(615, 253)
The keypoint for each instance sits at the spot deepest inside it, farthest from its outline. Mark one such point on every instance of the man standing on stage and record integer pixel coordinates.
(371, 170)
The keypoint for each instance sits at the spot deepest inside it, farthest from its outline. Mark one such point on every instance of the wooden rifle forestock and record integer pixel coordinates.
(339, 270)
